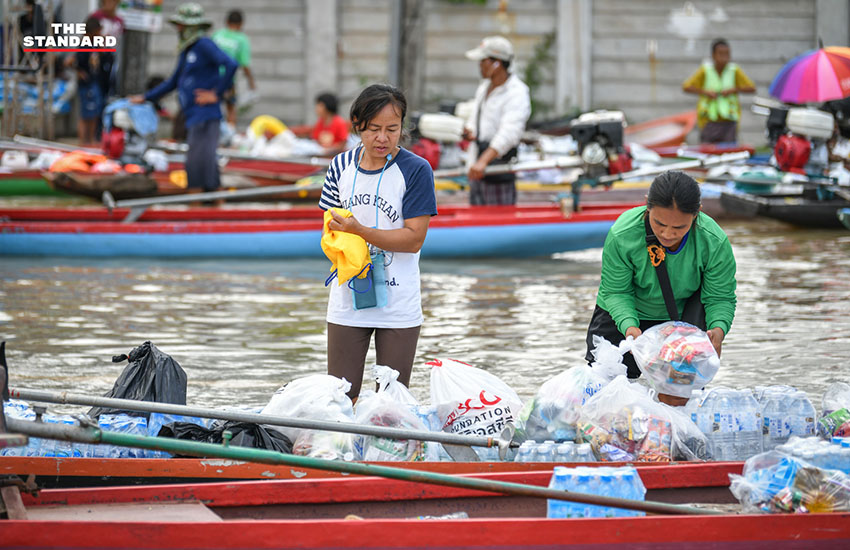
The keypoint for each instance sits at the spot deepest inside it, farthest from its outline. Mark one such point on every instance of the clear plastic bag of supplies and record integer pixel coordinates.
(623, 423)
(315, 397)
(774, 482)
(392, 406)
(471, 401)
(324, 444)
(836, 396)
(675, 358)
(553, 412)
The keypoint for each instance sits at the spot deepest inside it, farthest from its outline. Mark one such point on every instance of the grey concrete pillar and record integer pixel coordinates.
(321, 34)
(573, 55)
(832, 22)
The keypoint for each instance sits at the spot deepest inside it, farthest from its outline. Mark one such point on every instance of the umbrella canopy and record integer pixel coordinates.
(815, 76)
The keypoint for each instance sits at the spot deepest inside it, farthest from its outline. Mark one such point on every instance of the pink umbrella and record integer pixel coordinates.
(815, 76)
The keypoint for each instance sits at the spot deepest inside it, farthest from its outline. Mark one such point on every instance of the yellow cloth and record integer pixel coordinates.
(348, 252)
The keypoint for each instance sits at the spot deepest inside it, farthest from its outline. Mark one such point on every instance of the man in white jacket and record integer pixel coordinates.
(502, 107)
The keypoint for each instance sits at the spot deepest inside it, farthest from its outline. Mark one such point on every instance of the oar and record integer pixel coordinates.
(236, 154)
(503, 442)
(511, 167)
(55, 145)
(684, 165)
(138, 206)
(98, 436)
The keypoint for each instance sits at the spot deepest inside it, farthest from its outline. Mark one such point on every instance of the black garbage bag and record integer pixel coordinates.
(151, 376)
(245, 434)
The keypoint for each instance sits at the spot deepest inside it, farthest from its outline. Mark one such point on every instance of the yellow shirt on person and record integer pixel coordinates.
(697, 80)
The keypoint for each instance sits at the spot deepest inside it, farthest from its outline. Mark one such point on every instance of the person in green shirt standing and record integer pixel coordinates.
(699, 263)
(236, 44)
(718, 83)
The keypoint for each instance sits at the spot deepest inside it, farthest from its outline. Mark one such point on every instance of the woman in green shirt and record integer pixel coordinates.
(697, 255)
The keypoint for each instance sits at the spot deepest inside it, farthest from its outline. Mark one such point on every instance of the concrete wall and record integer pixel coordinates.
(626, 54)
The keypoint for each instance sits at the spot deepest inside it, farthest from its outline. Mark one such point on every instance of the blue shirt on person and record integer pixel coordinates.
(198, 69)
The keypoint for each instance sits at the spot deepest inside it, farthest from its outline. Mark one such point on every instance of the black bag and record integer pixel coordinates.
(151, 376)
(245, 434)
(694, 310)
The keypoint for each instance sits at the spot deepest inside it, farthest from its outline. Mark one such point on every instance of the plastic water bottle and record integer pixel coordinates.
(723, 427)
(607, 488)
(546, 452)
(565, 452)
(705, 419)
(692, 405)
(774, 425)
(802, 415)
(583, 481)
(749, 436)
(559, 481)
(637, 490)
(584, 453)
(525, 452)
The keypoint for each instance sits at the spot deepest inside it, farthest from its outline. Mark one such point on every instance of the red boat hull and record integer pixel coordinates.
(273, 514)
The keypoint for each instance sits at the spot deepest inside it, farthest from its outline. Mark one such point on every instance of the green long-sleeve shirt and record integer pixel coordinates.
(630, 291)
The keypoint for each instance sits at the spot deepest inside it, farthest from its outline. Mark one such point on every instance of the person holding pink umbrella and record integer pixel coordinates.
(718, 83)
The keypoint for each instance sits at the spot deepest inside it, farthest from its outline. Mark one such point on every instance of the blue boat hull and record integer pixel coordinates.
(520, 240)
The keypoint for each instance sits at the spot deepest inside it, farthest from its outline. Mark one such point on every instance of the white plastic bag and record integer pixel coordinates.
(471, 401)
(675, 358)
(315, 397)
(553, 412)
(623, 423)
(392, 406)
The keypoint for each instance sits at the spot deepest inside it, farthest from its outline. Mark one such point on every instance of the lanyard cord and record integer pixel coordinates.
(377, 189)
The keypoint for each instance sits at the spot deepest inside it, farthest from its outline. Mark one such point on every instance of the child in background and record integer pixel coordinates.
(331, 130)
(236, 44)
(90, 66)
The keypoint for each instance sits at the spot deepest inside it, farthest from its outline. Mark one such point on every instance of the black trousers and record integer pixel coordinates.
(603, 325)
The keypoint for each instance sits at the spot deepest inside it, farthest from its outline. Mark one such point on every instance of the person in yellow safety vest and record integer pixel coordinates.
(718, 84)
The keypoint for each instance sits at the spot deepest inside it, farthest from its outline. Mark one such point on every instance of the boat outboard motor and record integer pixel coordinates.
(776, 124)
(128, 130)
(802, 148)
(599, 136)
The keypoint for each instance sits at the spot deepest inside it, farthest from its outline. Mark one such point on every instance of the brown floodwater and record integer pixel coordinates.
(242, 328)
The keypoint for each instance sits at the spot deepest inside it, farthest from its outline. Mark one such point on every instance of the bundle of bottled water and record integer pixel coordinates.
(621, 482)
(121, 423)
(829, 455)
(549, 451)
(739, 424)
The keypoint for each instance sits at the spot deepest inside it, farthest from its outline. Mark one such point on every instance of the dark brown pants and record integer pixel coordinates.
(720, 131)
(347, 348)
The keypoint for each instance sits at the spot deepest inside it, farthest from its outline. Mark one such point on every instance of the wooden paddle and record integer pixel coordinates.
(95, 435)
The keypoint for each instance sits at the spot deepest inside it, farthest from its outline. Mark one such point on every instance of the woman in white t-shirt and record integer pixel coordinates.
(390, 191)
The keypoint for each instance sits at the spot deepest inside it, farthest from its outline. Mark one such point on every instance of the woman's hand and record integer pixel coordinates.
(716, 336)
(634, 332)
(138, 98)
(341, 223)
(709, 94)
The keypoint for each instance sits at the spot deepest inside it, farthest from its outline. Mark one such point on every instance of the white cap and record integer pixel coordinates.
(497, 47)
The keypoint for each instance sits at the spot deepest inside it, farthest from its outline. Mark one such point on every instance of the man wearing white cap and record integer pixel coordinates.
(502, 107)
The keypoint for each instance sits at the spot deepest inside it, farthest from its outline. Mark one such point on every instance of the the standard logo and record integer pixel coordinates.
(73, 38)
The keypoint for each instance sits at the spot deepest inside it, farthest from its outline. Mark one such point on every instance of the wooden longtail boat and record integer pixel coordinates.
(368, 512)
(64, 472)
(666, 131)
(459, 231)
(796, 209)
